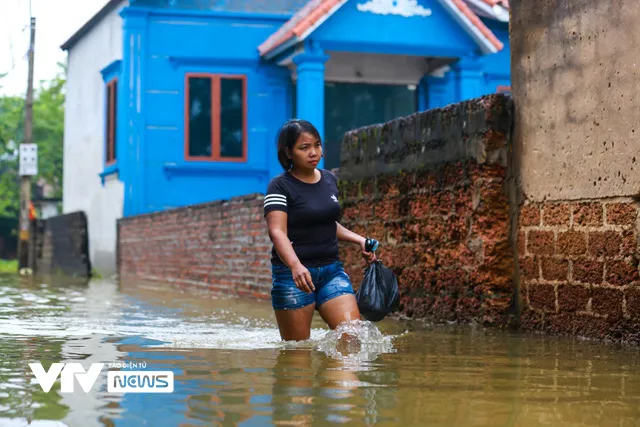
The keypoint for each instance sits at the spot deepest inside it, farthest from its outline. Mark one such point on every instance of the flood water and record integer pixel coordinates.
(230, 367)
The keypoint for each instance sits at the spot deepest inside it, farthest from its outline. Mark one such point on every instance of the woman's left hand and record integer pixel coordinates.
(368, 256)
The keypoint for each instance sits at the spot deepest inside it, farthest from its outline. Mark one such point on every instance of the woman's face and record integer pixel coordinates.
(306, 152)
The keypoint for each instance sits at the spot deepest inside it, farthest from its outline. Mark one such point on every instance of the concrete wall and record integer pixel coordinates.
(84, 140)
(574, 77)
(576, 150)
(8, 241)
(61, 246)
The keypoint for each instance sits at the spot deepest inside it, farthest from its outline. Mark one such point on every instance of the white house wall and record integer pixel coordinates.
(84, 140)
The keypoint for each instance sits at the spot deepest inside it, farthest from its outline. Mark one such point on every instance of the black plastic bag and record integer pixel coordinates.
(378, 294)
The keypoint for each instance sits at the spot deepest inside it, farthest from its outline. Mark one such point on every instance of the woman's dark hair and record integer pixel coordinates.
(287, 137)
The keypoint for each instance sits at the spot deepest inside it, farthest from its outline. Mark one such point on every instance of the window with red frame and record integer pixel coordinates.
(110, 137)
(216, 117)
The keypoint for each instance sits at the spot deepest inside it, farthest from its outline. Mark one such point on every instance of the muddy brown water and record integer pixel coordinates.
(230, 367)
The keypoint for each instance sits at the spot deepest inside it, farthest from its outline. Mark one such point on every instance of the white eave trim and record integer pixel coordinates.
(485, 44)
(497, 12)
(501, 13)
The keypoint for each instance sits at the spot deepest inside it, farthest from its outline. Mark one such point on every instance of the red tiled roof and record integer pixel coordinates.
(301, 22)
(317, 11)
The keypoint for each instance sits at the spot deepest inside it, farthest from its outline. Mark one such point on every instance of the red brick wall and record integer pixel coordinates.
(439, 190)
(221, 246)
(436, 196)
(431, 187)
(579, 268)
(445, 234)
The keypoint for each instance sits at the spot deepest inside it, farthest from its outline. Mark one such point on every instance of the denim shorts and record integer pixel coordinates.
(330, 282)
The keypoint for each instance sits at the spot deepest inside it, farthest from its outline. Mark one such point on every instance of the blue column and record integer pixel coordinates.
(470, 78)
(131, 158)
(310, 89)
(423, 94)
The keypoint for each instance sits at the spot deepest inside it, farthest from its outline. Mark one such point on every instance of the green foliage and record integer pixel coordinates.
(48, 130)
(10, 121)
(8, 266)
(95, 274)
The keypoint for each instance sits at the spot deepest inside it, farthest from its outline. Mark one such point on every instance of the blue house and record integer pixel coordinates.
(176, 102)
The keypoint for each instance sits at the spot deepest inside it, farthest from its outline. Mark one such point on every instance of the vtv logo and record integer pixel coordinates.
(68, 372)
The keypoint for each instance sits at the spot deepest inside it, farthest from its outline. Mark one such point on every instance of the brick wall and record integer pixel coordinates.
(440, 191)
(579, 268)
(221, 246)
(433, 188)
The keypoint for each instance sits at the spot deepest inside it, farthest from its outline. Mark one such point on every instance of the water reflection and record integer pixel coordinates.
(230, 367)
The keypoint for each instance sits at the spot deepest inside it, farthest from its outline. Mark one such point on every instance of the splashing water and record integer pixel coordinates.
(355, 341)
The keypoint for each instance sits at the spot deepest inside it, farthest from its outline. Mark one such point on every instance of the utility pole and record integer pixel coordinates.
(25, 175)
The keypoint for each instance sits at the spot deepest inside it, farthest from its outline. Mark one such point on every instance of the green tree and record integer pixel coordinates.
(10, 121)
(48, 131)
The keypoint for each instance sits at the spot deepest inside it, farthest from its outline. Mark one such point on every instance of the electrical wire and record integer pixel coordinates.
(11, 43)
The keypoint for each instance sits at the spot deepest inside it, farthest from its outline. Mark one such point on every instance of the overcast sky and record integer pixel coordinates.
(56, 21)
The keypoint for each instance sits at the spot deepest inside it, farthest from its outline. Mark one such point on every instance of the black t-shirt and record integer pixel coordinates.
(312, 211)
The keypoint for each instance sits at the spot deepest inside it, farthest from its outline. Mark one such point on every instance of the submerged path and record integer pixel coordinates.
(231, 368)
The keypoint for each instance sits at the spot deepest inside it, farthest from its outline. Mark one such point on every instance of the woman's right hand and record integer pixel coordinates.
(302, 278)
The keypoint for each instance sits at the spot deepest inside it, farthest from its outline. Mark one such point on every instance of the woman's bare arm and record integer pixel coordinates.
(347, 235)
(277, 226)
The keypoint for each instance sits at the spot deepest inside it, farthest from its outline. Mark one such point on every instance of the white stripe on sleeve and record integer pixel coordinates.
(275, 199)
(275, 203)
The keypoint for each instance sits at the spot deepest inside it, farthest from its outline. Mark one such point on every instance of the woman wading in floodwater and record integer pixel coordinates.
(302, 209)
